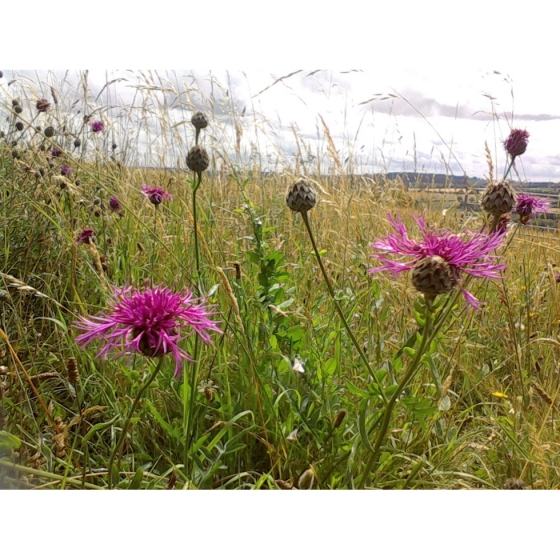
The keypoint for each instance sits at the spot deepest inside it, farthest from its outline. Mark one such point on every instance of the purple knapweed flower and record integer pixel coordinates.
(65, 170)
(440, 258)
(527, 207)
(97, 126)
(42, 105)
(114, 204)
(56, 152)
(516, 143)
(86, 236)
(148, 322)
(155, 194)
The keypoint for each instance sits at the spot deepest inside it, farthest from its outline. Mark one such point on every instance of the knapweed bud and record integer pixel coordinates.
(43, 105)
(198, 159)
(514, 484)
(15, 102)
(498, 198)
(18, 109)
(516, 143)
(19, 126)
(77, 143)
(199, 120)
(49, 132)
(301, 196)
(433, 276)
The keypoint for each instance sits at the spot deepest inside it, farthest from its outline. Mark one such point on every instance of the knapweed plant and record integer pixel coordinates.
(151, 323)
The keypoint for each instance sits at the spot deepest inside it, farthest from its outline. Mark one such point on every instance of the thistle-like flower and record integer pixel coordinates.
(440, 258)
(301, 196)
(115, 205)
(498, 198)
(65, 170)
(198, 159)
(148, 322)
(155, 194)
(97, 126)
(56, 152)
(86, 236)
(527, 207)
(42, 105)
(516, 143)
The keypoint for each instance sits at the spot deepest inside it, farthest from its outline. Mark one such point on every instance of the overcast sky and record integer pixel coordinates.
(416, 120)
(438, 62)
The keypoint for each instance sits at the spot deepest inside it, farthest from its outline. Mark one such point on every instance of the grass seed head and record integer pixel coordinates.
(72, 370)
(301, 196)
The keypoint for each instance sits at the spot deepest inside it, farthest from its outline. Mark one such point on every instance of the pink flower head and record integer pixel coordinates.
(155, 194)
(42, 105)
(86, 236)
(65, 170)
(516, 142)
(56, 152)
(114, 204)
(528, 206)
(469, 254)
(97, 126)
(148, 322)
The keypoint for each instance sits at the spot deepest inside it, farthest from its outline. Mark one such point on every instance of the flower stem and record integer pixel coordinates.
(129, 417)
(195, 221)
(412, 369)
(506, 172)
(339, 309)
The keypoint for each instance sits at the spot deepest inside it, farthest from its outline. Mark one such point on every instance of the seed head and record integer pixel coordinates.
(198, 159)
(516, 143)
(301, 196)
(16, 154)
(72, 370)
(498, 198)
(18, 109)
(43, 105)
(199, 120)
(49, 132)
(77, 143)
(15, 102)
(19, 126)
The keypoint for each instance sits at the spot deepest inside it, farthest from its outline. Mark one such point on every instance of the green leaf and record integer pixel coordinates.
(8, 441)
(357, 391)
(362, 425)
(136, 481)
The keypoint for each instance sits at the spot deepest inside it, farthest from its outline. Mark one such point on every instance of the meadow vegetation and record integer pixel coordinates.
(293, 389)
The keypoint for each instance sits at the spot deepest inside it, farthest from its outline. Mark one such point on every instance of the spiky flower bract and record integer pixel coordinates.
(155, 194)
(527, 207)
(148, 322)
(516, 143)
(97, 126)
(469, 254)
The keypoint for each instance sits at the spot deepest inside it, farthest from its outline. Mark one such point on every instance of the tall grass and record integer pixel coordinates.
(282, 399)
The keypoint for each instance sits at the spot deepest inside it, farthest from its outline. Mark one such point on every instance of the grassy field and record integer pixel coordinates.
(294, 391)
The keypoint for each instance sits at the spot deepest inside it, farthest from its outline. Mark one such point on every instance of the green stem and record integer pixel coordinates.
(339, 309)
(195, 220)
(129, 417)
(508, 168)
(412, 369)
